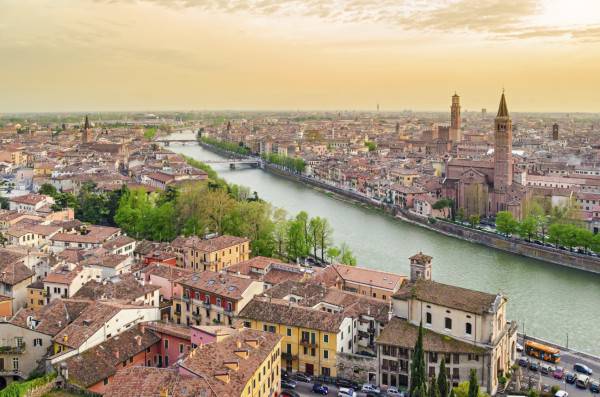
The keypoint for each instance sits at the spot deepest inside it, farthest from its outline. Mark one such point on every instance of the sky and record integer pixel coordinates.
(105, 55)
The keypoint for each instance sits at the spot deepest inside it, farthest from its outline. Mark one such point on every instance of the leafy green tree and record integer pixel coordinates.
(281, 231)
(346, 256)
(418, 379)
(4, 204)
(442, 380)
(333, 254)
(474, 220)
(528, 227)
(48, 190)
(505, 223)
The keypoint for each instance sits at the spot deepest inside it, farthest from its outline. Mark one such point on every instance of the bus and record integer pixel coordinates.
(543, 352)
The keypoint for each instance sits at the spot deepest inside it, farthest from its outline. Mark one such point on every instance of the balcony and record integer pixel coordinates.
(288, 356)
(11, 372)
(306, 342)
(9, 349)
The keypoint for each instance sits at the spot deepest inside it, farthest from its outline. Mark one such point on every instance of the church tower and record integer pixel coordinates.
(455, 132)
(503, 164)
(86, 132)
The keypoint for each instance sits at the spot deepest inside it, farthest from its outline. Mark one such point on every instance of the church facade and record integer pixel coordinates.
(485, 187)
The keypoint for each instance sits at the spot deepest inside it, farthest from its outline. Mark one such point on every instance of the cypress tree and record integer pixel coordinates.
(417, 367)
(442, 381)
(473, 385)
(433, 387)
(452, 394)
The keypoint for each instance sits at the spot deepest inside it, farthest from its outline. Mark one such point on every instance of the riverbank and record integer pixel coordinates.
(488, 239)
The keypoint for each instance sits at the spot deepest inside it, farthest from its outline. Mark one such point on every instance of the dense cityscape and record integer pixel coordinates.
(293, 198)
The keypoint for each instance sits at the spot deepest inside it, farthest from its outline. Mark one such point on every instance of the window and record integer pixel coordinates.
(325, 354)
(105, 381)
(325, 338)
(166, 343)
(448, 323)
(247, 324)
(428, 318)
(37, 342)
(468, 328)
(455, 358)
(289, 332)
(181, 348)
(455, 373)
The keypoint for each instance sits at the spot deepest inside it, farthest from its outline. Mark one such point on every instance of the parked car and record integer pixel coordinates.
(519, 347)
(570, 377)
(346, 392)
(524, 362)
(559, 373)
(393, 391)
(561, 393)
(301, 377)
(289, 393)
(546, 369)
(328, 380)
(288, 384)
(582, 381)
(341, 382)
(367, 387)
(320, 389)
(595, 386)
(546, 388)
(582, 368)
(534, 366)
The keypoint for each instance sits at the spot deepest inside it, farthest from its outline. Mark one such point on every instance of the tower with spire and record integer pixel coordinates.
(503, 162)
(455, 121)
(86, 131)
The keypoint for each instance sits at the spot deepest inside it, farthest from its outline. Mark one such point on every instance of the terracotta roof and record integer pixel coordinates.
(12, 267)
(83, 327)
(53, 317)
(125, 288)
(29, 199)
(118, 242)
(448, 296)
(208, 245)
(376, 278)
(157, 382)
(166, 271)
(217, 283)
(399, 332)
(276, 311)
(100, 362)
(95, 235)
(209, 360)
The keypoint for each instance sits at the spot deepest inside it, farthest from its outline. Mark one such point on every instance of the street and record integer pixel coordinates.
(305, 389)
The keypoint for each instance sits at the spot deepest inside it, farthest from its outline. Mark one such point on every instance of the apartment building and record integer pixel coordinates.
(212, 254)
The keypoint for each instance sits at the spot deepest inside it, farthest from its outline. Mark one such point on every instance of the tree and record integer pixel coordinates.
(315, 229)
(474, 220)
(473, 384)
(442, 381)
(528, 227)
(333, 253)
(418, 380)
(216, 205)
(442, 205)
(4, 204)
(281, 231)
(505, 223)
(461, 214)
(48, 189)
(346, 256)
(433, 387)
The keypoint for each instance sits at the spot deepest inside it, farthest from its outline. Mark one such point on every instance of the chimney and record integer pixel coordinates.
(164, 392)
(138, 339)
(238, 344)
(117, 354)
(65, 338)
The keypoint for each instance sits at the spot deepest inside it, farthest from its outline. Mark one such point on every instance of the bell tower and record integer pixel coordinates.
(503, 162)
(86, 131)
(455, 121)
(420, 267)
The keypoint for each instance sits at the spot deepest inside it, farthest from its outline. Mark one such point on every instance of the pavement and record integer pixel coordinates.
(305, 389)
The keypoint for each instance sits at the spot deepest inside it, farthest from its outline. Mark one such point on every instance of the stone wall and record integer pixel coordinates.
(356, 367)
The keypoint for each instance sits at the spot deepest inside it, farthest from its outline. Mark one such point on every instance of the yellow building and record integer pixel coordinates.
(36, 295)
(311, 337)
(212, 254)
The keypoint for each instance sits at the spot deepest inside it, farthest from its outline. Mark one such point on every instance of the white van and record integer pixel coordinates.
(582, 381)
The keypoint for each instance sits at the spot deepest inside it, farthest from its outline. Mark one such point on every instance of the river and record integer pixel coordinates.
(547, 300)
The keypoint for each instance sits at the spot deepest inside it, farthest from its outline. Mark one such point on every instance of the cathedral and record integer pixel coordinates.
(485, 187)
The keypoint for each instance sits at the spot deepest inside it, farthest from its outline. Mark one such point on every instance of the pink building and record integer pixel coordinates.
(175, 342)
(204, 334)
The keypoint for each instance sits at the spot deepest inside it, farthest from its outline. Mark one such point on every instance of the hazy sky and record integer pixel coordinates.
(61, 55)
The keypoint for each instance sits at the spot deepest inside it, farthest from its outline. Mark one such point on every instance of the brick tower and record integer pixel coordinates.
(503, 167)
(455, 132)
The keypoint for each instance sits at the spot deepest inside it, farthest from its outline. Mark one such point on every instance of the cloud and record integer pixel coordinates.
(498, 19)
